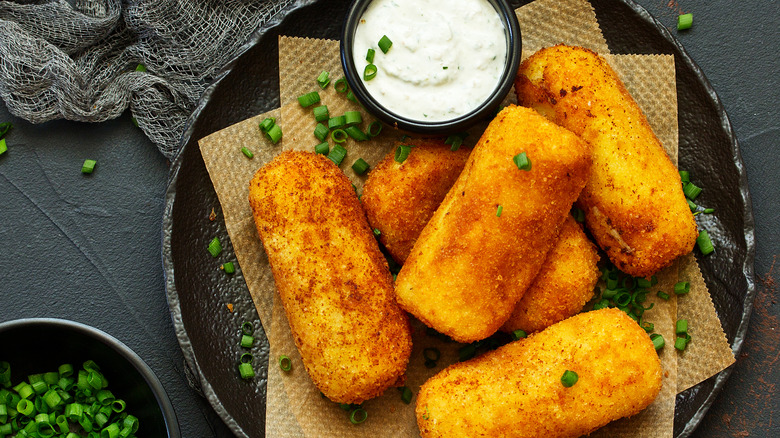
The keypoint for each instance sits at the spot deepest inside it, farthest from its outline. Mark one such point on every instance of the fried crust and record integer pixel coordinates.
(634, 204)
(400, 198)
(516, 390)
(334, 283)
(470, 266)
(564, 284)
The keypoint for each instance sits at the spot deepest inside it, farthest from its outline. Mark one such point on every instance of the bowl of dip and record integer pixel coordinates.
(449, 64)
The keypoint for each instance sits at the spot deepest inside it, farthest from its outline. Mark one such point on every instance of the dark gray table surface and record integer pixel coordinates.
(87, 248)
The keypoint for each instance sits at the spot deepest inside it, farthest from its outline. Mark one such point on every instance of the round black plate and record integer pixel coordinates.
(198, 293)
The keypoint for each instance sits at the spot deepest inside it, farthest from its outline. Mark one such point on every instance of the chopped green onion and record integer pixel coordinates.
(88, 166)
(432, 354)
(518, 334)
(323, 80)
(569, 378)
(603, 304)
(321, 113)
(691, 190)
(663, 295)
(522, 161)
(691, 205)
(376, 231)
(360, 166)
(339, 135)
(229, 268)
(455, 141)
(680, 343)
(247, 328)
(369, 72)
(704, 243)
(267, 123)
(643, 283)
(309, 99)
(685, 176)
(374, 128)
(356, 133)
(648, 326)
(215, 247)
(140, 67)
(499, 210)
(578, 214)
(402, 152)
(337, 122)
(274, 134)
(285, 363)
(341, 85)
(247, 152)
(682, 288)
(358, 416)
(246, 358)
(337, 154)
(3, 146)
(709, 211)
(5, 375)
(4, 128)
(246, 371)
(406, 394)
(351, 96)
(681, 326)
(322, 148)
(247, 341)
(321, 131)
(658, 341)
(370, 55)
(384, 44)
(353, 118)
(684, 21)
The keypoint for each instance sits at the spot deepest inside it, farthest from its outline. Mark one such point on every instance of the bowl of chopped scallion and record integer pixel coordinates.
(63, 378)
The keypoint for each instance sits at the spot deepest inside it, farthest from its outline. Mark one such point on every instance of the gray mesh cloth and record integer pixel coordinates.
(77, 59)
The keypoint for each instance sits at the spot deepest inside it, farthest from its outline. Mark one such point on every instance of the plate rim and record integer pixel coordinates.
(191, 360)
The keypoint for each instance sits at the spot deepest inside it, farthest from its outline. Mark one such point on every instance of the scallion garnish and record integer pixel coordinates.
(358, 416)
(247, 341)
(708, 211)
(401, 153)
(247, 328)
(353, 118)
(86, 168)
(3, 146)
(376, 231)
(658, 341)
(519, 334)
(663, 295)
(578, 214)
(681, 342)
(341, 85)
(321, 113)
(704, 243)
(691, 190)
(681, 327)
(339, 135)
(350, 96)
(684, 21)
(685, 176)
(4, 128)
(337, 154)
(321, 131)
(285, 363)
(374, 128)
(454, 141)
(141, 68)
(370, 56)
(245, 370)
(356, 133)
(337, 122)
(499, 210)
(322, 148)
(247, 152)
(309, 99)
(228, 268)
(360, 166)
(406, 394)
(384, 44)
(522, 162)
(569, 378)
(267, 123)
(215, 247)
(682, 288)
(274, 134)
(323, 80)
(369, 72)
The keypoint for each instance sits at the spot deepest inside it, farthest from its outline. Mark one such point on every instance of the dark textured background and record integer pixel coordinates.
(87, 248)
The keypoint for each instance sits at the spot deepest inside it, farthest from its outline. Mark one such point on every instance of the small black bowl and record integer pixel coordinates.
(35, 345)
(458, 124)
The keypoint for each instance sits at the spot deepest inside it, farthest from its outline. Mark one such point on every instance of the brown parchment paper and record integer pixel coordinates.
(294, 407)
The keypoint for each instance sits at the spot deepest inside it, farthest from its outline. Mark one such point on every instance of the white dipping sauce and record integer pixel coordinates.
(446, 59)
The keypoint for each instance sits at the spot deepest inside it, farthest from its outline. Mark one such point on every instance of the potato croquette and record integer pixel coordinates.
(334, 282)
(487, 240)
(516, 390)
(564, 284)
(633, 202)
(400, 198)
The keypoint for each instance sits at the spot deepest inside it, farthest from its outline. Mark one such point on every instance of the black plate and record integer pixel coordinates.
(197, 293)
